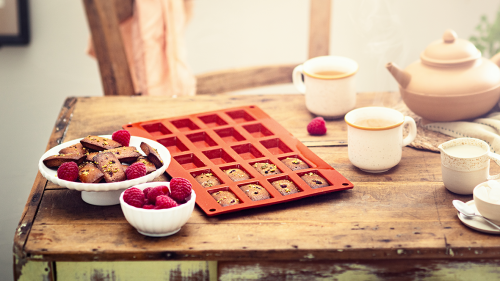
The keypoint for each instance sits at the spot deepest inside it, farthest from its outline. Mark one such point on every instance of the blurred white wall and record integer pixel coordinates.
(34, 80)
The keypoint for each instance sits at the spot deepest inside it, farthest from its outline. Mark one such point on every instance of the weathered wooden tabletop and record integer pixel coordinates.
(393, 224)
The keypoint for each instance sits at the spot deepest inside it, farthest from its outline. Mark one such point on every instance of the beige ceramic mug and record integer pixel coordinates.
(375, 137)
(465, 163)
(328, 85)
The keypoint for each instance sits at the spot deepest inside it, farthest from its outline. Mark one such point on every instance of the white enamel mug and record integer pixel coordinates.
(463, 170)
(375, 137)
(328, 85)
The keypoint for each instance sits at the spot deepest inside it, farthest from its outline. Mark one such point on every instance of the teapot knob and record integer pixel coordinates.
(449, 36)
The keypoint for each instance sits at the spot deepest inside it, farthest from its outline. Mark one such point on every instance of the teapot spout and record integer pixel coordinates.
(496, 59)
(402, 77)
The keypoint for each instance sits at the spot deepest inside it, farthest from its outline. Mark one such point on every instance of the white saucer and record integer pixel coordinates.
(477, 223)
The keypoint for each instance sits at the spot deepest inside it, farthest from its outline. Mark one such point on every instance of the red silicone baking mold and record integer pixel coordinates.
(239, 137)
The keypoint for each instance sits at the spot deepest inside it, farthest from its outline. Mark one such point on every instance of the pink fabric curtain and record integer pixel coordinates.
(153, 39)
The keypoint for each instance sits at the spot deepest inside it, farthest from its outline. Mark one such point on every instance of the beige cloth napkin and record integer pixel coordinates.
(486, 128)
(153, 39)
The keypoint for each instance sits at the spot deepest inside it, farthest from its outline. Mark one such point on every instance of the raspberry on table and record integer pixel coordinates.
(165, 202)
(180, 189)
(68, 171)
(136, 170)
(154, 193)
(134, 197)
(121, 136)
(317, 126)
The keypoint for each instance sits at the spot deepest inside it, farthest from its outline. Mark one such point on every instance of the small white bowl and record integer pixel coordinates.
(488, 210)
(158, 223)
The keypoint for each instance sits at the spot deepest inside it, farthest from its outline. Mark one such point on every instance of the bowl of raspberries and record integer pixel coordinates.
(158, 208)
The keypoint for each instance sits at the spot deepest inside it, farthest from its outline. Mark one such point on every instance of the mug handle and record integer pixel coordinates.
(413, 130)
(297, 79)
(495, 157)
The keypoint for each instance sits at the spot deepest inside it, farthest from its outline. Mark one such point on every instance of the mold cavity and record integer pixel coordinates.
(218, 156)
(201, 140)
(276, 146)
(189, 161)
(247, 151)
(345, 184)
(185, 124)
(258, 130)
(173, 144)
(230, 135)
(240, 116)
(156, 129)
(213, 120)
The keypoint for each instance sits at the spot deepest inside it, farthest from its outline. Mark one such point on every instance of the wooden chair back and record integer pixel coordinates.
(104, 17)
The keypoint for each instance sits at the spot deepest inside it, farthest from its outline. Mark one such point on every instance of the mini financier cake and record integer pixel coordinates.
(99, 143)
(76, 148)
(266, 169)
(236, 174)
(314, 180)
(150, 167)
(55, 161)
(255, 192)
(109, 165)
(89, 173)
(285, 187)
(225, 198)
(295, 164)
(152, 154)
(125, 154)
(207, 180)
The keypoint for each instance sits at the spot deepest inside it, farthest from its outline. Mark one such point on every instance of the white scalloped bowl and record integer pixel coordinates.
(104, 194)
(158, 223)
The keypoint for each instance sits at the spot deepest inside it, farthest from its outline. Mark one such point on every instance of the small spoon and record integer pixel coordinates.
(468, 212)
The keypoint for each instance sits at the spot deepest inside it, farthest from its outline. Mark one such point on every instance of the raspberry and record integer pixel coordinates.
(317, 126)
(68, 171)
(165, 189)
(136, 170)
(146, 191)
(154, 192)
(148, 206)
(121, 136)
(165, 202)
(180, 189)
(134, 197)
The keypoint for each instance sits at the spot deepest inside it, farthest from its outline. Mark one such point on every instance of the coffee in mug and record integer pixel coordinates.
(375, 137)
(328, 85)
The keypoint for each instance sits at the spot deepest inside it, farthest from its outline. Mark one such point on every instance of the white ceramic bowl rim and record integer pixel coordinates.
(479, 198)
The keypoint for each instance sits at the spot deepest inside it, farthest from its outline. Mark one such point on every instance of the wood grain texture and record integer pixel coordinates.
(319, 28)
(243, 78)
(402, 214)
(108, 46)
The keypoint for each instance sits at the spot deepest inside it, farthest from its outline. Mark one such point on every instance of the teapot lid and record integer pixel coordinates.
(450, 50)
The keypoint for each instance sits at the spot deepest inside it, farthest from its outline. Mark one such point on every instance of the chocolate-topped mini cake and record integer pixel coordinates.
(314, 180)
(207, 180)
(266, 169)
(236, 174)
(225, 198)
(295, 163)
(285, 187)
(255, 192)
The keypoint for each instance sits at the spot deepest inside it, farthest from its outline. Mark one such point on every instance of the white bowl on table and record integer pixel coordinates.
(158, 223)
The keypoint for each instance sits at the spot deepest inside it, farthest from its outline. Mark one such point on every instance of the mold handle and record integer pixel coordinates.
(402, 77)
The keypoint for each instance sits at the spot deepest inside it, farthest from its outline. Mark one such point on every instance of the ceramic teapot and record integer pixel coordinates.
(450, 82)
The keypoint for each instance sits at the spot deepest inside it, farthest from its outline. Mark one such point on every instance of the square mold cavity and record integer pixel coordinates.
(189, 161)
(201, 140)
(247, 151)
(285, 185)
(156, 129)
(212, 120)
(258, 130)
(218, 156)
(276, 146)
(184, 124)
(209, 179)
(173, 144)
(240, 116)
(314, 179)
(255, 191)
(230, 135)
(266, 167)
(237, 176)
(224, 196)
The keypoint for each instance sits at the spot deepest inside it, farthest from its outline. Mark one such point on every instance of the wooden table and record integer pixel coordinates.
(396, 225)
